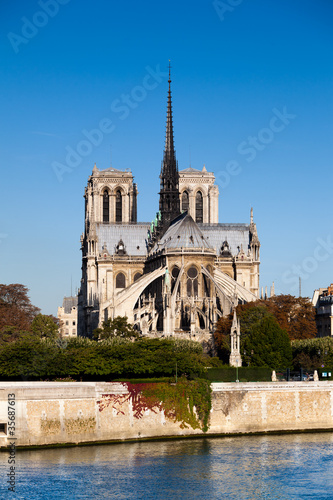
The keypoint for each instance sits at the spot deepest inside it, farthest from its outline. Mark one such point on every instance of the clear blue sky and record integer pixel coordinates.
(234, 73)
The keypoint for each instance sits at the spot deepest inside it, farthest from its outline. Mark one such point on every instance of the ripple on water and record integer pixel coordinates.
(244, 468)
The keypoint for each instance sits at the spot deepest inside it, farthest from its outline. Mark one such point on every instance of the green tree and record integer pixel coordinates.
(295, 315)
(29, 358)
(249, 314)
(311, 354)
(45, 327)
(222, 338)
(13, 334)
(269, 344)
(117, 327)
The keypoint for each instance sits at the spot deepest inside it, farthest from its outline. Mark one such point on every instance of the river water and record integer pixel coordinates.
(293, 466)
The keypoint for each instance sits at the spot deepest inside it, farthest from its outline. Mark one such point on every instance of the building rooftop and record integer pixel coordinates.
(183, 233)
(68, 303)
(134, 237)
(237, 236)
(191, 170)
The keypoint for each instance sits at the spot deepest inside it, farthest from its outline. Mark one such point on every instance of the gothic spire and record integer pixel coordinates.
(169, 150)
(169, 191)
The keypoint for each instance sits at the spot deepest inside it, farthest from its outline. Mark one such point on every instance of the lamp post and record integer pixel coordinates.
(237, 370)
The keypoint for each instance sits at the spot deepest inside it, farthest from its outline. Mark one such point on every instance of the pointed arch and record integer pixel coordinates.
(119, 206)
(199, 207)
(192, 288)
(185, 201)
(174, 278)
(106, 205)
(137, 276)
(120, 280)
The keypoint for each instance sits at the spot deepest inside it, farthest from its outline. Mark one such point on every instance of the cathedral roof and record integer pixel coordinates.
(183, 233)
(133, 236)
(195, 171)
(111, 170)
(237, 235)
(190, 169)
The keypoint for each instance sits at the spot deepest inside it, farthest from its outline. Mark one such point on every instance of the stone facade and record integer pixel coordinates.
(195, 185)
(323, 302)
(68, 317)
(174, 276)
(49, 413)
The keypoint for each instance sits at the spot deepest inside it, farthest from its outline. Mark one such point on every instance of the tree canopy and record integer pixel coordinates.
(16, 309)
(294, 315)
(31, 357)
(45, 327)
(313, 354)
(261, 335)
(268, 344)
(117, 327)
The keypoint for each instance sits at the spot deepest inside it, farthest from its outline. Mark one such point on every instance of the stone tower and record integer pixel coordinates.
(110, 200)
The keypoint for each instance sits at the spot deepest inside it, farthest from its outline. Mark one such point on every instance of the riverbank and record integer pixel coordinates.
(69, 413)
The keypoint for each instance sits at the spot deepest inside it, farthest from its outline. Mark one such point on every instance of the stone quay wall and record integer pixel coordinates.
(52, 413)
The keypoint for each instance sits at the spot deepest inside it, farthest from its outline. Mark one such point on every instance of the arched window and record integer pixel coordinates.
(192, 282)
(174, 277)
(185, 201)
(137, 276)
(186, 318)
(199, 207)
(120, 280)
(106, 205)
(119, 206)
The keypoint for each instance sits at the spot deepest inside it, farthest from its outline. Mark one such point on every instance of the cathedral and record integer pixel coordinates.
(174, 276)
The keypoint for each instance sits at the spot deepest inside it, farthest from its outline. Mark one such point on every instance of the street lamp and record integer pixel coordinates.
(237, 370)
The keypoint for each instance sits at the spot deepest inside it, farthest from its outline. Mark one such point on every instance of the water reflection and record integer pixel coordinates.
(257, 467)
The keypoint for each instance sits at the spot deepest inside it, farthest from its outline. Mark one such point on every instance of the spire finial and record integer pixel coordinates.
(251, 216)
(169, 73)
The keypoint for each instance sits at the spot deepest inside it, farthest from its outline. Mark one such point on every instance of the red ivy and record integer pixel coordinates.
(134, 392)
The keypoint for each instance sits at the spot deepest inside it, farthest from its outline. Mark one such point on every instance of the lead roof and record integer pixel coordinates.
(207, 236)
